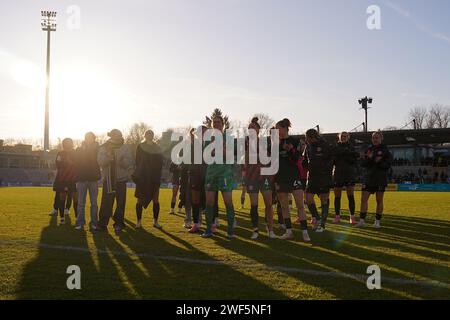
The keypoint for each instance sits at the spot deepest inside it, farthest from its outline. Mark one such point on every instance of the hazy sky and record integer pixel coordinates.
(168, 63)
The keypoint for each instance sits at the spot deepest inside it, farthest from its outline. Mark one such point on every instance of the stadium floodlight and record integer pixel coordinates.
(48, 20)
(48, 24)
(364, 105)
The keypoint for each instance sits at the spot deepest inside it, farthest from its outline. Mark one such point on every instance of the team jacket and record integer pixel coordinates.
(288, 169)
(65, 165)
(318, 159)
(345, 160)
(377, 172)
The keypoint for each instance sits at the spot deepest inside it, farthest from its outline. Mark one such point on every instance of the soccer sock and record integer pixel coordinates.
(75, 207)
(351, 204)
(337, 205)
(362, 215)
(61, 208)
(254, 216)
(155, 211)
(230, 220)
(303, 225)
(56, 201)
(313, 209)
(68, 202)
(378, 216)
(288, 223)
(269, 218)
(209, 217)
(279, 214)
(195, 212)
(172, 205)
(216, 210)
(325, 208)
(139, 211)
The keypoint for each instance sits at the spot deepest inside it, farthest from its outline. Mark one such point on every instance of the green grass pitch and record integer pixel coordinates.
(412, 249)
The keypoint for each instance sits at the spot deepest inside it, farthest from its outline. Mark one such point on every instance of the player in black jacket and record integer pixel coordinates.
(377, 161)
(318, 159)
(345, 159)
(287, 180)
(147, 176)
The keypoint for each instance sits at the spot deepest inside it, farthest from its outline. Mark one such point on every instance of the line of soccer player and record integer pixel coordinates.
(306, 168)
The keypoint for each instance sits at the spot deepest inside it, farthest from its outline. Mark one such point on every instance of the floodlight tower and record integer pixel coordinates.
(48, 23)
(364, 102)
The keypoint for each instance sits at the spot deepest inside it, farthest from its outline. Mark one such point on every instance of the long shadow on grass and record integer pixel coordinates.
(59, 247)
(414, 232)
(330, 252)
(165, 277)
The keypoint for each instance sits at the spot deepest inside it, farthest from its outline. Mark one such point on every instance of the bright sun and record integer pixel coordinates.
(81, 101)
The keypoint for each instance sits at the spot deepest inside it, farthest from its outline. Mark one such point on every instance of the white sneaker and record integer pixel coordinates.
(361, 223)
(138, 224)
(272, 235)
(66, 212)
(78, 227)
(319, 229)
(53, 213)
(216, 222)
(180, 210)
(157, 225)
(171, 211)
(62, 220)
(187, 225)
(377, 224)
(305, 236)
(287, 235)
(255, 235)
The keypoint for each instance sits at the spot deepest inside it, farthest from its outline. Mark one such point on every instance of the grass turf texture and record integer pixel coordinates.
(173, 264)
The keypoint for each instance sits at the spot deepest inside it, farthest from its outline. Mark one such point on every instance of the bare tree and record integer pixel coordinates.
(440, 115)
(102, 138)
(136, 133)
(265, 121)
(419, 114)
(239, 128)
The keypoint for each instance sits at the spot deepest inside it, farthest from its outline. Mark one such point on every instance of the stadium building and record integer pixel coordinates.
(420, 157)
(20, 165)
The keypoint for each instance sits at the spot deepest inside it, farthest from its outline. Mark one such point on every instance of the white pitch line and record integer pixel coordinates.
(333, 274)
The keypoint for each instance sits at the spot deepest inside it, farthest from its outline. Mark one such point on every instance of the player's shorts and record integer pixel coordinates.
(64, 186)
(288, 186)
(197, 181)
(342, 184)
(219, 183)
(219, 177)
(176, 179)
(303, 181)
(373, 189)
(262, 185)
(317, 188)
